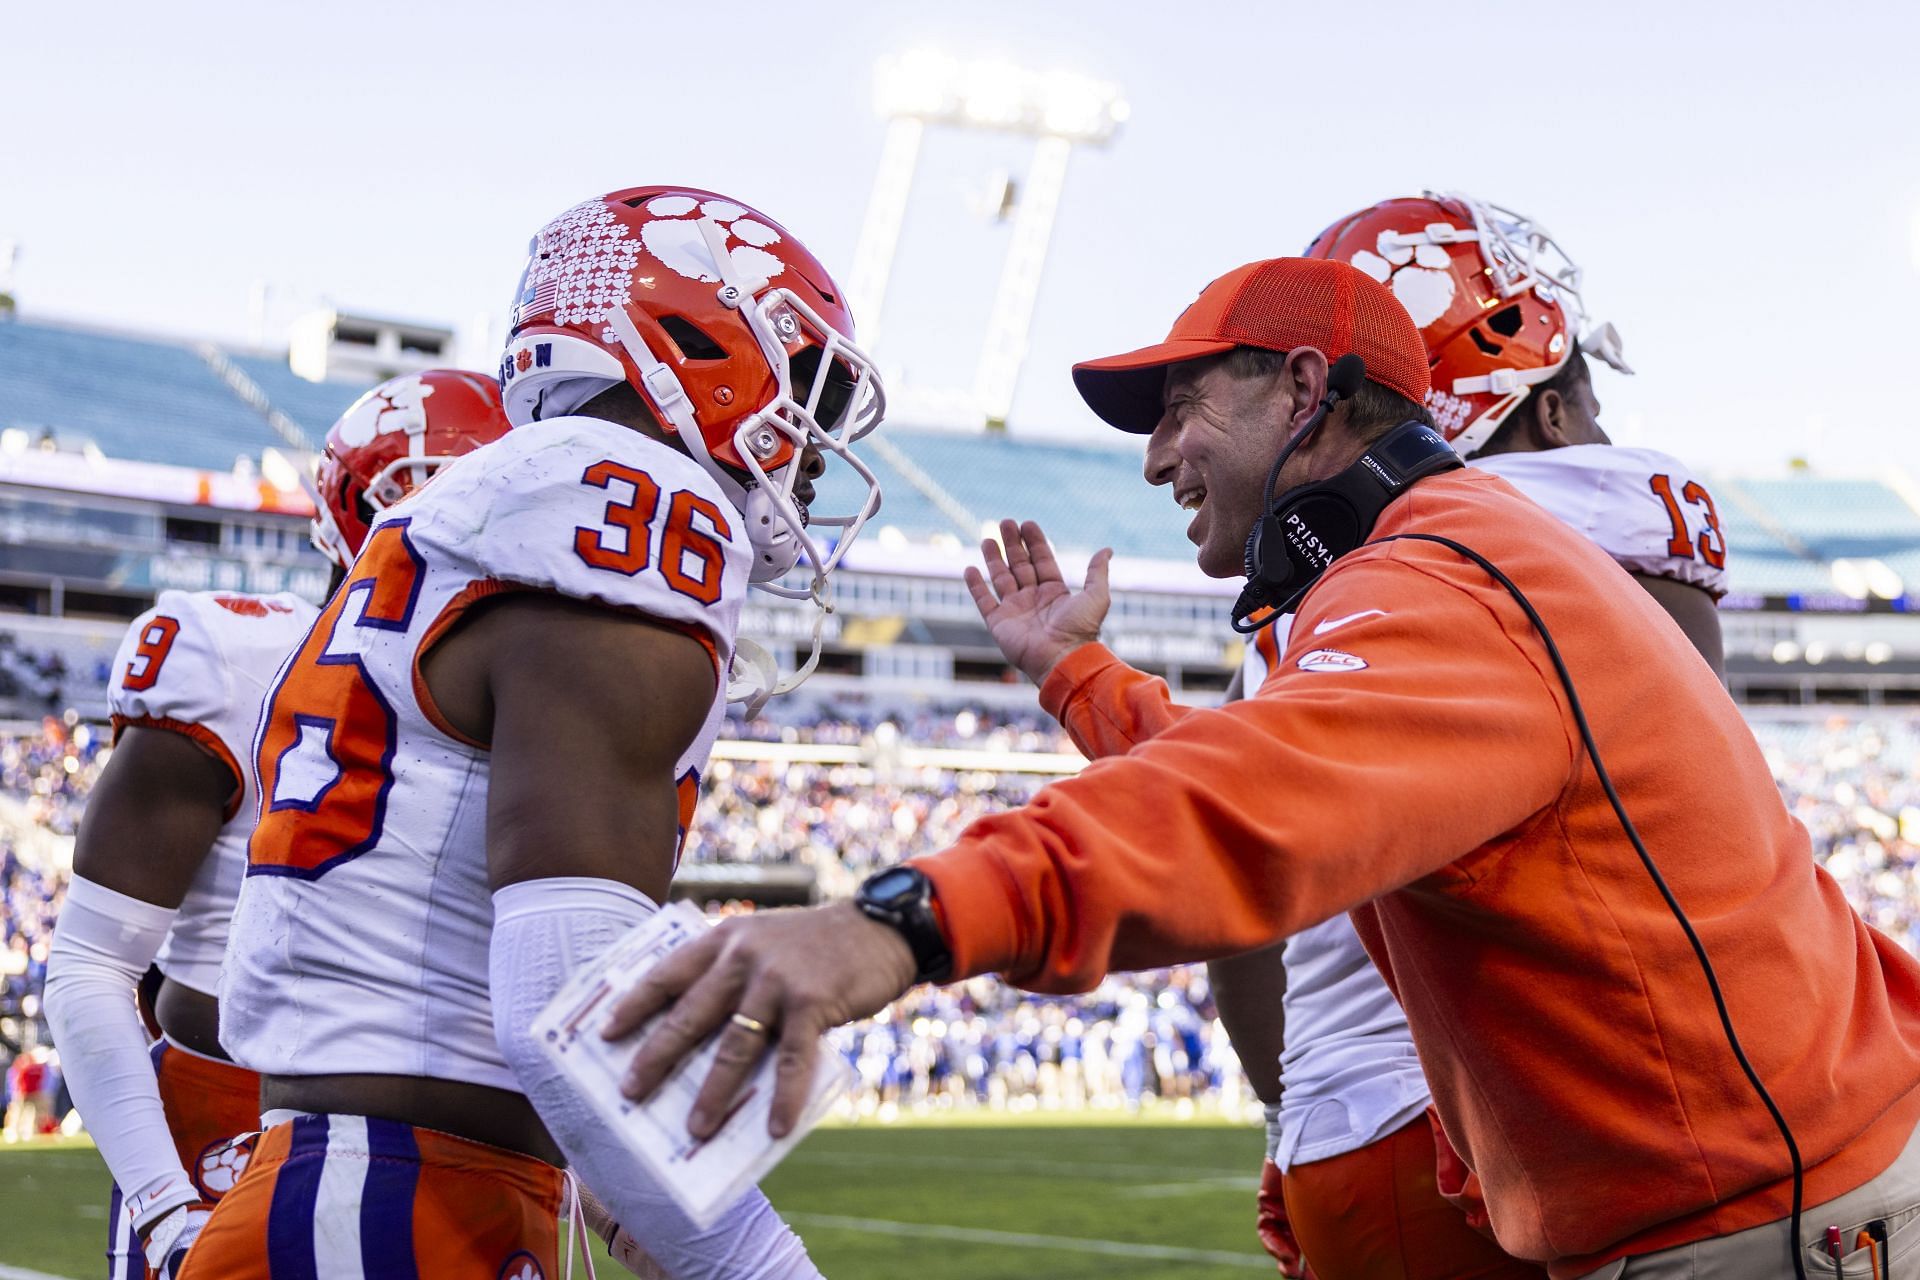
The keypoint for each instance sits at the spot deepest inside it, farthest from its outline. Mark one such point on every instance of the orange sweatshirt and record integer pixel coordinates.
(1413, 760)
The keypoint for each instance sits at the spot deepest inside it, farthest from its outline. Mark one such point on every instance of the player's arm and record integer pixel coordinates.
(162, 799)
(1249, 990)
(1236, 687)
(588, 712)
(1693, 610)
(150, 820)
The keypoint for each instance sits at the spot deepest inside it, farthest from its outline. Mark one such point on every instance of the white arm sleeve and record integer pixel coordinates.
(542, 931)
(102, 944)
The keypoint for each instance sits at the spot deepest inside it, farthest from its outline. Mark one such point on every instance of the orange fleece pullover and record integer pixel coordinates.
(1413, 760)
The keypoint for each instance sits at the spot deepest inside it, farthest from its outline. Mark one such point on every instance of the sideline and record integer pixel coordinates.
(1024, 1240)
(21, 1273)
(1105, 1171)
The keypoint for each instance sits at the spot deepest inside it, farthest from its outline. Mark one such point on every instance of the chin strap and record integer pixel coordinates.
(755, 677)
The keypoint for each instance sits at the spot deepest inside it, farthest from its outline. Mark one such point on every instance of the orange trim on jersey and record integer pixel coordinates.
(473, 593)
(1268, 646)
(692, 632)
(468, 596)
(208, 740)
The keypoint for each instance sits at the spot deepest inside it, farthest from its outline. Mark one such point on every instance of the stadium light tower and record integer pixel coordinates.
(1058, 109)
(9, 260)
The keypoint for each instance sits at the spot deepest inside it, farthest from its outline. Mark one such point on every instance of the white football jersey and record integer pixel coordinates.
(1640, 506)
(360, 943)
(198, 663)
(1349, 1073)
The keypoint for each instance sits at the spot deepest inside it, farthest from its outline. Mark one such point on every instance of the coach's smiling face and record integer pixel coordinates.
(1216, 440)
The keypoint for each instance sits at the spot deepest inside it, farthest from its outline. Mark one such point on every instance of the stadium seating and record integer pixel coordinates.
(1758, 561)
(903, 506)
(135, 399)
(1846, 519)
(313, 406)
(1088, 496)
(156, 400)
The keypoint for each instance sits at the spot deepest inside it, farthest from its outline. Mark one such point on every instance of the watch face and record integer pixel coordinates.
(891, 886)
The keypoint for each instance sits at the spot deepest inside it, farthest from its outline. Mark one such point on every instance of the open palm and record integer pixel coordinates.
(1035, 618)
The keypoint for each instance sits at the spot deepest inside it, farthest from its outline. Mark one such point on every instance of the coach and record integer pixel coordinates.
(1414, 760)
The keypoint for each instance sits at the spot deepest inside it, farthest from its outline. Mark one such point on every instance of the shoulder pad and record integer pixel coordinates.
(1644, 508)
(591, 510)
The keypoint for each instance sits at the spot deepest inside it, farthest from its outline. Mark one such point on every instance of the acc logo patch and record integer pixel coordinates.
(521, 1265)
(221, 1165)
(1330, 660)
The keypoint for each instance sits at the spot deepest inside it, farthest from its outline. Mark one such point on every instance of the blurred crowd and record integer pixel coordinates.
(1856, 786)
(36, 679)
(1138, 1041)
(44, 780)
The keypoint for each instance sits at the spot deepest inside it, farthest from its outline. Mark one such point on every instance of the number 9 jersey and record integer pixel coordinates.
(198, 664)
(360, 941)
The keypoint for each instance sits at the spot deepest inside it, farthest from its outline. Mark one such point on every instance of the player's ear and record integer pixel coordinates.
(1549, 419)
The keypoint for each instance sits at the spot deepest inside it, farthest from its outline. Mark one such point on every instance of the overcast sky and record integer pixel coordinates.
(1740, 181)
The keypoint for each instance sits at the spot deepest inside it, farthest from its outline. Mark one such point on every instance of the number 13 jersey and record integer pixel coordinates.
(360, 941)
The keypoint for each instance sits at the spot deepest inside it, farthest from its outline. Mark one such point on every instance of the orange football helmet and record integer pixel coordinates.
(728, 328)
(389, 442)
(1496, 299)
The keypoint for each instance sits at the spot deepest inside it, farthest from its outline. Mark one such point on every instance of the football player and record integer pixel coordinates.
(477, 771)
(1350, 1178)
(162, 849)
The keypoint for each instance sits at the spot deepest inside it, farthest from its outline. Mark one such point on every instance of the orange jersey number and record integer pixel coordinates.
(326, 751)
(1712, 544)
(156, 642)
(691, 558)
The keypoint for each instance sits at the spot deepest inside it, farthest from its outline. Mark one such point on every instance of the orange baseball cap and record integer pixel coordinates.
(1278, 304)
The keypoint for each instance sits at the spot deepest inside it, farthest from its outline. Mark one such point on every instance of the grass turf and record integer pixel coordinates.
(985, 1198)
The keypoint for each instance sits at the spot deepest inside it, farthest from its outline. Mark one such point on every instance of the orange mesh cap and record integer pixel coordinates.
(1278, 304)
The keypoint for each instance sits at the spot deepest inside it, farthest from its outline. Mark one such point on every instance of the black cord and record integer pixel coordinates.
(1646, 860)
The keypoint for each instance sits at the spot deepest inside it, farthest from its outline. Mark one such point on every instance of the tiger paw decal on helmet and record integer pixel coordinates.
(1417, 274)
(675, 238)
(1496, 299)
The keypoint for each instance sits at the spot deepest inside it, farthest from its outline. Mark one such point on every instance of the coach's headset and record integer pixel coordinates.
(1310, 526)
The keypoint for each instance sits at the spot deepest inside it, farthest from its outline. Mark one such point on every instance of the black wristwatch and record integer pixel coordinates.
(902, 899)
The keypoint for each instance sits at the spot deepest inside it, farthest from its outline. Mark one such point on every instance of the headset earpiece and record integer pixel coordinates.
(1306, 529)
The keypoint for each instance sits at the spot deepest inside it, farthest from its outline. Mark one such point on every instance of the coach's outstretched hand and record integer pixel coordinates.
(1035, 618)
(794, 973)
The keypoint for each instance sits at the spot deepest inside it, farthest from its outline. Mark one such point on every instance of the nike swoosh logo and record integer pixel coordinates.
(1321, 628)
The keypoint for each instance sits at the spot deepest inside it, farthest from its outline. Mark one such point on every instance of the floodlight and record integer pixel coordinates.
(1059, 109)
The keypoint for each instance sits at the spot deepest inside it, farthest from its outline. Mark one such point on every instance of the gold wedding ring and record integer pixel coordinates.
(754, 1025)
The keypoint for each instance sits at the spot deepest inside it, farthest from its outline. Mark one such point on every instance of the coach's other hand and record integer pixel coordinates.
(1035, 618)
(794, 973)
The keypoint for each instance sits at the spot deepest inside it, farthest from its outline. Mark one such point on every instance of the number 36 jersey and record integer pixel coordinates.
(360, 941)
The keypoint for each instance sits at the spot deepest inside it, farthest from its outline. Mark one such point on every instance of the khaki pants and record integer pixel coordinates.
(1760, 1253)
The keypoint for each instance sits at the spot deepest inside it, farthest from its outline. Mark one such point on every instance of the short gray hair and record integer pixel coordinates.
(1373, 411)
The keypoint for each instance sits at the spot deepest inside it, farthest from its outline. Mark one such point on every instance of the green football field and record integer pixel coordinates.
(982, 1199)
